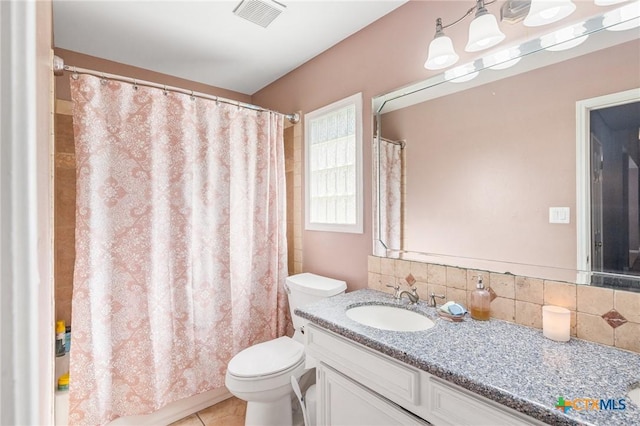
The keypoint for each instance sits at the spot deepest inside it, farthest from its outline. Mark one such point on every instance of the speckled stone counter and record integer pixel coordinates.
(507, 363)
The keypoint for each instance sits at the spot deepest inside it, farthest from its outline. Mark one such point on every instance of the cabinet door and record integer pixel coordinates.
(343, 402)
(454, 406)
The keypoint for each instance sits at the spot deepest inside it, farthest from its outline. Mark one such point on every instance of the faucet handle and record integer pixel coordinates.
(414, 292)
(432, 298)
(396, 294)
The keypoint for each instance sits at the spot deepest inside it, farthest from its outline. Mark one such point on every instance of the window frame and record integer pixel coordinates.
(358, 226)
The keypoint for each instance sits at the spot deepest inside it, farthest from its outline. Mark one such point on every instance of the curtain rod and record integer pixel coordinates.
(401, 142)
(59, 67)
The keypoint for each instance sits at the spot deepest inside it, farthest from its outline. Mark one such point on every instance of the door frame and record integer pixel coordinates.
(596, 264)
(26, 246)
(583, 173)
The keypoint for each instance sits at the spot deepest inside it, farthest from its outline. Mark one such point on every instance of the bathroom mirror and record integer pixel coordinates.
(485, 173)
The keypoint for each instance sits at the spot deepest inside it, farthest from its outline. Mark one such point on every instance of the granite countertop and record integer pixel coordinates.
(507, 363)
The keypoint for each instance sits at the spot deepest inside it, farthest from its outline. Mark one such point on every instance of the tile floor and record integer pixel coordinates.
(229, 412)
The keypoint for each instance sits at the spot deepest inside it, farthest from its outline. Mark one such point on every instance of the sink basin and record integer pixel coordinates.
(391, 318)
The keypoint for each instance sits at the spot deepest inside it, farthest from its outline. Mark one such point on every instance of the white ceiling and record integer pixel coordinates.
(204, 41)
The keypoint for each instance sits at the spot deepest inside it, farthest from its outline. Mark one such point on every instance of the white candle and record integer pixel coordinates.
(556, 322)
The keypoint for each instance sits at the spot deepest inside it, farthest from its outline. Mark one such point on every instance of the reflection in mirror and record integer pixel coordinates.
(614, 208)
(490, 165)
(392, 161)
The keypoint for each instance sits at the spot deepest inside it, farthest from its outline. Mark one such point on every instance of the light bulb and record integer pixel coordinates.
(503, 59)
(461, 74)
(564, 39)
(624, 18)
(544, 12)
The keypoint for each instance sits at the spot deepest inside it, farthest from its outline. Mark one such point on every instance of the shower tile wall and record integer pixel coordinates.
(64, 210)
(293, 133)
(288, 164)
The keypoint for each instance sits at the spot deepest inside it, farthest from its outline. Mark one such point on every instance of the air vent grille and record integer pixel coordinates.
(260, 12)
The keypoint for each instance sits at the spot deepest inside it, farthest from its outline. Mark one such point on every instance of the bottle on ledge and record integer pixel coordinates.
(480, 303)
(60, 338)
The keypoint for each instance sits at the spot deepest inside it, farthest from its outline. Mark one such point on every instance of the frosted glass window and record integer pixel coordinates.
(333, 167)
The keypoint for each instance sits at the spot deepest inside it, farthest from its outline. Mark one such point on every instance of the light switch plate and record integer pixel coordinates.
(559, 215)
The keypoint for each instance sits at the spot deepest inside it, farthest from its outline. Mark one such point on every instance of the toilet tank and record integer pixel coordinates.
(306, 288)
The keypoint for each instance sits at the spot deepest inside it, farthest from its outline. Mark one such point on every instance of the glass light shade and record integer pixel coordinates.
(461, 74)
(624, 18)
(544, 12)
(564, 39)
(441, 53)
(484, 33)
(503, 59)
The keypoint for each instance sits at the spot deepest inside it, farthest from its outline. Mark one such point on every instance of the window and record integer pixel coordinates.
(333, 168)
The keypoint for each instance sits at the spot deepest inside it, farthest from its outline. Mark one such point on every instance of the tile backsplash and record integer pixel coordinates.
(602, 315)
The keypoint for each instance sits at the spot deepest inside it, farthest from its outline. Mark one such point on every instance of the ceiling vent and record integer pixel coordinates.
(260, 12)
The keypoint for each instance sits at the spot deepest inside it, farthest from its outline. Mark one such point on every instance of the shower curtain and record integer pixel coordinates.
(180, 243)
(390, 197)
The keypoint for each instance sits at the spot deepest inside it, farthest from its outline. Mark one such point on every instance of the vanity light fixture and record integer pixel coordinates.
(543, 12)
(441, 52)
(564, 38)
(624, 18)
(483, 33)
(483, 30)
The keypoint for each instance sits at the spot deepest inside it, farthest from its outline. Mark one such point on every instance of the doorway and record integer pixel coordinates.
(609, 183)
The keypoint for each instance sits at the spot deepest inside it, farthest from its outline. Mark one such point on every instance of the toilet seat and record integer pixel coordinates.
(267, 359)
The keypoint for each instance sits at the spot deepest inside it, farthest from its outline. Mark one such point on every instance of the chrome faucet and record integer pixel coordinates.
(432, 299)
(412, 296)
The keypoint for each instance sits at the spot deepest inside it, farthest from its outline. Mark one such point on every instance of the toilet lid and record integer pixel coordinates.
(266, 358)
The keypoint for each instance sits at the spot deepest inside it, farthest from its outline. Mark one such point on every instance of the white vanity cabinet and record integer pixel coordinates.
(359, 386)
(342, 401)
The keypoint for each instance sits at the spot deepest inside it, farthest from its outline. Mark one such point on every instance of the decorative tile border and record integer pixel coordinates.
(614, 319)
(601, 315)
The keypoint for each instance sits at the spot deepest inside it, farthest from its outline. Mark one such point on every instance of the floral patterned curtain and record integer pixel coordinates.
(180, 244)
(390, 197)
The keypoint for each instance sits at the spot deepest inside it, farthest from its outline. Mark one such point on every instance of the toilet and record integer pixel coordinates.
(261, 374)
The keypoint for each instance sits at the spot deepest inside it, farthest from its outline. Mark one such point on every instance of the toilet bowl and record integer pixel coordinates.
(261, 374)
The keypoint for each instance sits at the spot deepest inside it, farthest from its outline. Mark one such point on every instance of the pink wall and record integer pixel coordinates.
(378, 58)
(383, 56)
(110, 67)
(484, 165)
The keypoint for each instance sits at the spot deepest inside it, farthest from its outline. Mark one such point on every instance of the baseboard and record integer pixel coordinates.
(176, 410)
